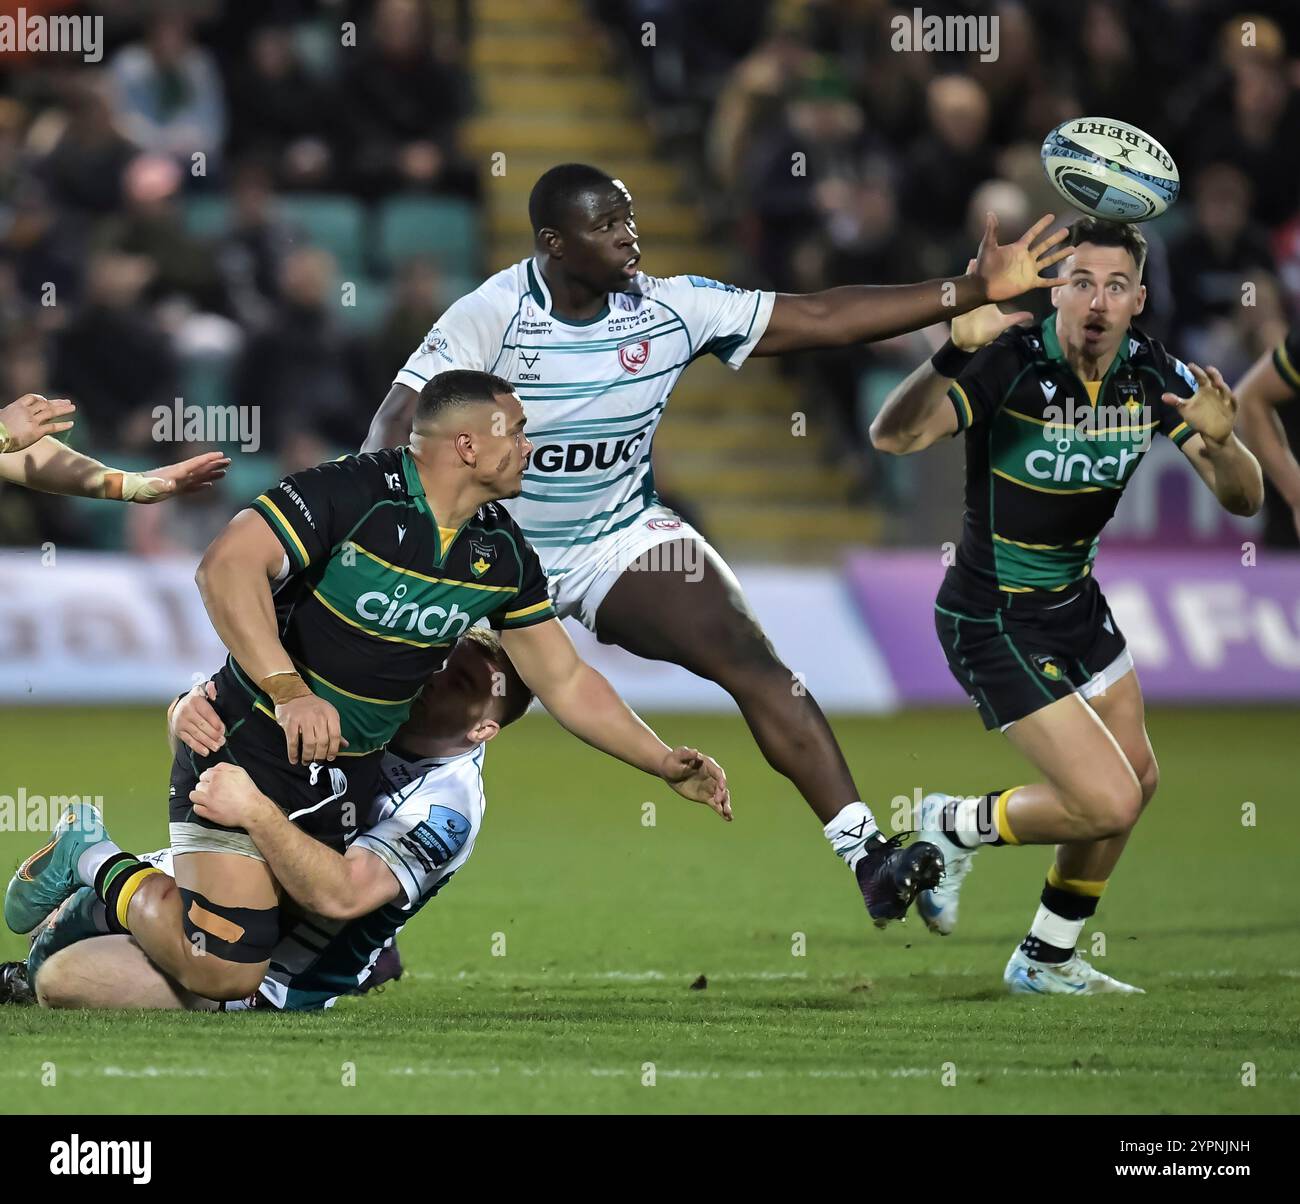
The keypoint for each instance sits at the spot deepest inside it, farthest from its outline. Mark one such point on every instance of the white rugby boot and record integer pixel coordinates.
(938, 906)
(1024, 976)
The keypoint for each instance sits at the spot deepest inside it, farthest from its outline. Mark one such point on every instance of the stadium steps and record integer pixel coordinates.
(549, 91)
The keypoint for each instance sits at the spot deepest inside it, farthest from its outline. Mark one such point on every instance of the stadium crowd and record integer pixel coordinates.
(903, 153)
(130, 276)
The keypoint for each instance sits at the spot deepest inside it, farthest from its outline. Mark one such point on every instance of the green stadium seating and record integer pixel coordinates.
(335, 223)
(442, 228)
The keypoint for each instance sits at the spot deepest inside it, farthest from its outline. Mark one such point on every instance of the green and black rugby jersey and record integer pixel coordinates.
(1286, 359)
(1046, 461)
(378, 592)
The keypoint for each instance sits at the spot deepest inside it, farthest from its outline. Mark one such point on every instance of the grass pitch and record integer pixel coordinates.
(607, 922)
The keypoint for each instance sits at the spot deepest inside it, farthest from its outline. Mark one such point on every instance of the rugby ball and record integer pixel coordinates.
(1110, 169)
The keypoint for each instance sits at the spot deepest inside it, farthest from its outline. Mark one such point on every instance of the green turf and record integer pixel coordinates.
(607, 922)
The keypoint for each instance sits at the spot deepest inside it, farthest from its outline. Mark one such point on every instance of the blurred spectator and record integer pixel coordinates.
(952, 159)
(1263, 116)
(252, 250)
(84, 169)
(112, 358)
(152, 225)
(403, 105)
(281, 113)
(418, 298)
(302, 370)
(168, 94)
(1211, 260)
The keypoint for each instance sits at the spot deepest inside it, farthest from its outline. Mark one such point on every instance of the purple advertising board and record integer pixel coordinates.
(1212, 624)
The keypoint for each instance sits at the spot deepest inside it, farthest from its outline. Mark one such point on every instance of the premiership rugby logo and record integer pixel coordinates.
(633, 356)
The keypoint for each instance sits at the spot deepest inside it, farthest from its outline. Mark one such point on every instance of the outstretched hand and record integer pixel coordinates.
(1212, 410)
(32, 417)
(698, 778)
(1019, 266)
(189, 476)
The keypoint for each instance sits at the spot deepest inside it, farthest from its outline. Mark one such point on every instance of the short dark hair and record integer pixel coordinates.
(517, 697)
(556, 188)
(459, 387)
(1111, 234)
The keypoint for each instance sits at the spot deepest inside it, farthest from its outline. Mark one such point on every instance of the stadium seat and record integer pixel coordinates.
(207, 216)
(445, 229)
(371, 301)
(335, 223)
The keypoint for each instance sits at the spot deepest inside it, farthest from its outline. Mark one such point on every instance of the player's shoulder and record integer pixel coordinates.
(499, 294)
(1286, 358)
(1014, 348)
(1146, 352)
(376, 467)
(686, 287)
(425, 790)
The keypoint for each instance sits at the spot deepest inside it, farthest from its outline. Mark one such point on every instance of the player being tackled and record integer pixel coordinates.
(1056, 417)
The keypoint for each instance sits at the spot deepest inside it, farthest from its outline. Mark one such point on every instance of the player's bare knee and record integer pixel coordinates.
(53, 985)
(154, 898)
(1116, 811)
(1149, 779)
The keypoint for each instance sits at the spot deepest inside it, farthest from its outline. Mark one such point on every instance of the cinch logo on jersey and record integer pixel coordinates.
(393, 613)
(1065, 465)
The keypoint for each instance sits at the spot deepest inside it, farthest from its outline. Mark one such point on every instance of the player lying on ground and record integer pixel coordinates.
(344, 912)
(594, 347)
(1273, 380)
(28, 426)
(1056, 419)
(357, 576)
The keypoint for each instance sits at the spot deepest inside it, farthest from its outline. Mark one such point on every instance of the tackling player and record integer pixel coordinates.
(594, 347)
(1272, 381)
(28, 426)
(346, 911)
(1056, 419)
(377, 564)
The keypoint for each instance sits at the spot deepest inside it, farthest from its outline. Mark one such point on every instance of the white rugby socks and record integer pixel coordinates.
(851, 831)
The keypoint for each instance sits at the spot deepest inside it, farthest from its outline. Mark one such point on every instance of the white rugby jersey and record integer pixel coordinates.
(593, 391)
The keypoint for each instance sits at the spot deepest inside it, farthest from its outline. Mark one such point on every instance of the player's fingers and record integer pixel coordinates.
(1016, 319)
(1173, 399)
(990, 236)
(1216, 378)
(210, 688)
(196, 740)
(292, 734)
(313, 740)
(332, 735)
(1037, 228)
(1197, 371)
(1047, 260)
(1039, 249)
